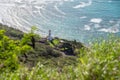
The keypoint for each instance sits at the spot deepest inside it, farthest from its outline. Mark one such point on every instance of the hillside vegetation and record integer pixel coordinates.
(60, 60)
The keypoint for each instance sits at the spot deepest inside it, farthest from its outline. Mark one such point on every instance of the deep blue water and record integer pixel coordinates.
(81, 20)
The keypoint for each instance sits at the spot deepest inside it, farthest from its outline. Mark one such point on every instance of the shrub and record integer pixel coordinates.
(101, 62)
(9, 51)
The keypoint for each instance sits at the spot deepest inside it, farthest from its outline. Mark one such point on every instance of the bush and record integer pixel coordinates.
(9, 51)
(101, 62)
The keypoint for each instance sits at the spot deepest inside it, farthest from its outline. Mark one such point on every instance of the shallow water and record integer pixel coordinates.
(82, 20)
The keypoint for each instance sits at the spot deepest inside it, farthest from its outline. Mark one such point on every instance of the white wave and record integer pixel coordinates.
(97, 25)
(39, 12)
(87, 27)
(83, 17)
(111, 21)
(19, 8)
(96, 20)
(7, 4)
(83, 4)
(38, 7)
(60, 11)
(110, 30)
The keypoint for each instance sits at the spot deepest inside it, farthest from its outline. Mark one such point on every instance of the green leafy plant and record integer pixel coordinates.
(9, 51)
(30, 37)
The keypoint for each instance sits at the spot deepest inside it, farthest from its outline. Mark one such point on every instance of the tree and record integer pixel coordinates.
(29, 38)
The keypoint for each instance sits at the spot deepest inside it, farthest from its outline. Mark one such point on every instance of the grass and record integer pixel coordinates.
(100, 62)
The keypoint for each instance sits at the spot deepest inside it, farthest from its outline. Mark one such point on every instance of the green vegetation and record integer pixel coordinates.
(9, 51)
(52, 61)
(11, 32)
(101, 62)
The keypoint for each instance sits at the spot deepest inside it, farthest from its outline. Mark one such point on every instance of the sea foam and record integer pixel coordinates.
(110, 30)
(87, 27)
(83, 4)
(96, 20)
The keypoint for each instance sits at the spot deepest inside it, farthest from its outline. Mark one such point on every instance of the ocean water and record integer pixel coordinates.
(81, 20)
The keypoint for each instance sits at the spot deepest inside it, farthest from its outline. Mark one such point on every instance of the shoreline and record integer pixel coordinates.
(59, 42)
(40, 33)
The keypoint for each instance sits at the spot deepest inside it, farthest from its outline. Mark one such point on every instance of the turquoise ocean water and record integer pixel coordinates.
(81, 20)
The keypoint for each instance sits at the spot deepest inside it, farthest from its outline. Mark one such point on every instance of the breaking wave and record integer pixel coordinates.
(83, 4)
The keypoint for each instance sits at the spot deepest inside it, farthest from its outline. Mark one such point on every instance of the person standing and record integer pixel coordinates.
(49, 36)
